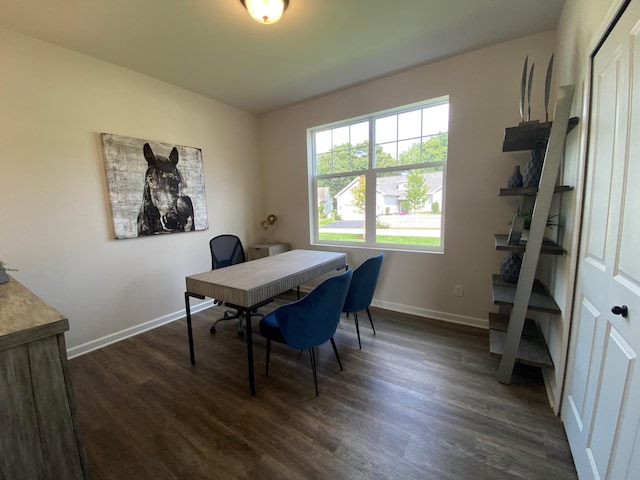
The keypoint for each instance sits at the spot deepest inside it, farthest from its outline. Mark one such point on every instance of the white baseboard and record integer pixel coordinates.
(143, 327)
(434, 314)
(426, 313)
(132, 331)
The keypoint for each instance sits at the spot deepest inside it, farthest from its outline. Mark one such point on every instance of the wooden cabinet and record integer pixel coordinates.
(266, 250)
(39, 436)
(512, 336)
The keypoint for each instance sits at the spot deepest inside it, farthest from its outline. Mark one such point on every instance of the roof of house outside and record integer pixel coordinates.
(391, 185)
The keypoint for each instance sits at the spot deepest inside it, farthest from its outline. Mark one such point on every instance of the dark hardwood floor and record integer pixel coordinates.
(419, 401)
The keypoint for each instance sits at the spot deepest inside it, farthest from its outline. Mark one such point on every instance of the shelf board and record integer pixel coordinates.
(525, 192)
(501, 323)
(540, 300)
(548, 247)
(526, 135)
(531, 351)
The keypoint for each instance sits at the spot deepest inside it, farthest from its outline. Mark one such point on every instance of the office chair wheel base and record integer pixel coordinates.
(212, 330)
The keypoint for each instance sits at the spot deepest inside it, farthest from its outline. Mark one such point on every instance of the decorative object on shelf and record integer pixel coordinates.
(526, 87)
(529, 88)
(517, 225)
(525, 93)
(523, 89)
(547, 88)
(520, 225)
(510, 267)
(269, 225)
(515, 180)
(533, 169)
(4, 278)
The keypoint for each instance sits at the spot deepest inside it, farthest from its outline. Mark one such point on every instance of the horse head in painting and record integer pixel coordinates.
(164, 208)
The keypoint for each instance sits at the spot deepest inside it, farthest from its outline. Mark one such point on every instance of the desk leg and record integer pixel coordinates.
(189, 330)
(252, 386)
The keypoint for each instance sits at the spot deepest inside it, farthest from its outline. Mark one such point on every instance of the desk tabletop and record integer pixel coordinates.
(249, 283)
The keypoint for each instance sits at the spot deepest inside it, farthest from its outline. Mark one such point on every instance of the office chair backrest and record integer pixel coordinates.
(314, 318)
(363, 284)
(226, 250)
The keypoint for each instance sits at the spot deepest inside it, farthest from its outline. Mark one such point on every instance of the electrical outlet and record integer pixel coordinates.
(459, 290)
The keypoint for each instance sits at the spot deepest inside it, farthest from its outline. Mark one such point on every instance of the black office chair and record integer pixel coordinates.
(227, 250)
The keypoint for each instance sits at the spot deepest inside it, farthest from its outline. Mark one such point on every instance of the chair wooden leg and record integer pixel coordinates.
(371, 320)
(335, 350)
(268, 354)
(312, 355)
(355, 317)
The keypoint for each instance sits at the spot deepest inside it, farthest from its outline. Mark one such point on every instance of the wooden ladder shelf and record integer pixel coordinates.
(528, 294)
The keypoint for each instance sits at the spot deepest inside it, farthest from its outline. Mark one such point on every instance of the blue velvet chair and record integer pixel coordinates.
(310, 321)
(363, 285)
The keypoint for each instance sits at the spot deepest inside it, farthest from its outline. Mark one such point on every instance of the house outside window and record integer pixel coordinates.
(379, 180)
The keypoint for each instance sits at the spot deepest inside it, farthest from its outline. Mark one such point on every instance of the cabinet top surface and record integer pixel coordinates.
(21, 310)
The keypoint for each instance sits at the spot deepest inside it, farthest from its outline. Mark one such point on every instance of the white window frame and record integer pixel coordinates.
(370, 179)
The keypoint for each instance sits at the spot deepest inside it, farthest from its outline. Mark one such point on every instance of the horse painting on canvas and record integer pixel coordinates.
(164, 207)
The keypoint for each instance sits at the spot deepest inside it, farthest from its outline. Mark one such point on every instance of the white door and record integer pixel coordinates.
(601, 400)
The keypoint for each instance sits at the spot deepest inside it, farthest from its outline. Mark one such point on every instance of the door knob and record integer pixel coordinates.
(616, 310)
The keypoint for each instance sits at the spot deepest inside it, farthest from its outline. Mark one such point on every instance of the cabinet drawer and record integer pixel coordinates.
(266, 250)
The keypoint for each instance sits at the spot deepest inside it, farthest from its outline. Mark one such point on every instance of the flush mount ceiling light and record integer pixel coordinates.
(265, 11)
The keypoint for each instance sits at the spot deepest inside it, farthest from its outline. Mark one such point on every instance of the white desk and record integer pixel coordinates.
(250, 285)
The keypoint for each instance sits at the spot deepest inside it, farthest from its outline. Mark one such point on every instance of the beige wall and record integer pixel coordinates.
(483, 87)
(55, 218)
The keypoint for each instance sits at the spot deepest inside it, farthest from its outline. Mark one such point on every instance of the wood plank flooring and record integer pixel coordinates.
(419, 401)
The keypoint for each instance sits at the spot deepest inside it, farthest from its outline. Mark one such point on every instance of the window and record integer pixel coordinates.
(379, 180)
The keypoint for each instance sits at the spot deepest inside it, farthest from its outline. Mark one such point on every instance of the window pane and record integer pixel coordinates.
(435, 119)
(409, 152)
(359, 133)
(409, 125)
(435, 148)
(323, 141)
(408, 207)
(387, 155)
(341, 209)
(340, 137)
(387, 129)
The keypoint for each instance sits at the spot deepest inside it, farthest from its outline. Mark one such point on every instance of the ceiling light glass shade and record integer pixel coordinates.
(266, 11)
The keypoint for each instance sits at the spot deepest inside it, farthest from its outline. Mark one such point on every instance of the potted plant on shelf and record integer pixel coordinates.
(4, 278)
(520, 225)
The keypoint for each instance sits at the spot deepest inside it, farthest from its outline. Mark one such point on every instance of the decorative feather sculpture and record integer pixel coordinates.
(530, 87)
(523, 88)
(547, 88)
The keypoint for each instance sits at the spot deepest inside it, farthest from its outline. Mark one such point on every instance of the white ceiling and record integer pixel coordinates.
(214, 48)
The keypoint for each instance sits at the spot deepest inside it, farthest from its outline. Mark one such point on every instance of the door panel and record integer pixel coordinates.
(588, 317)
(618, 361)
(606, 113)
